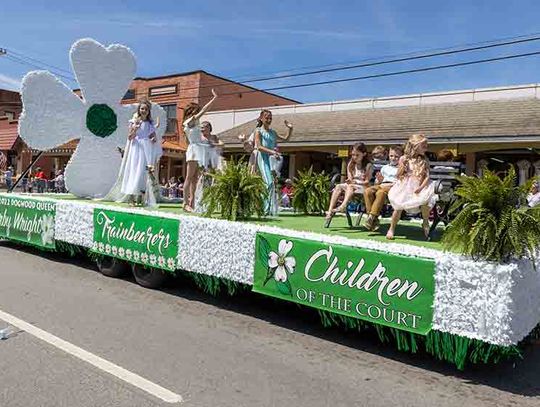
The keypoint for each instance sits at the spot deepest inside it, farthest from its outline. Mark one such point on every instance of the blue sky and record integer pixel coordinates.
(247, 39)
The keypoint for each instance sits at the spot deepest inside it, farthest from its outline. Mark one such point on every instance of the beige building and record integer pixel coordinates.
(493, 128)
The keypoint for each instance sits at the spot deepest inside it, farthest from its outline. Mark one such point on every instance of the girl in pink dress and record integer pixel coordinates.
(413, 191)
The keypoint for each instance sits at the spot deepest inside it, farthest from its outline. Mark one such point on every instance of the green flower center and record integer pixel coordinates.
(101, 120)
(281, 261)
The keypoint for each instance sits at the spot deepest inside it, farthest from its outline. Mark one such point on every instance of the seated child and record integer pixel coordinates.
(359, 172)
(375, 196)
(286, 194)
(445, 155)
(533, 199)
(379, 153)
(172, 188)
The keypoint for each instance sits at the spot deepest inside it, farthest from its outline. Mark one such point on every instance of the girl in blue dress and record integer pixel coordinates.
(267, 155)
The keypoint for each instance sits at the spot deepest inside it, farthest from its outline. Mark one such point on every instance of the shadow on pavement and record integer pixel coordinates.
(521, 377)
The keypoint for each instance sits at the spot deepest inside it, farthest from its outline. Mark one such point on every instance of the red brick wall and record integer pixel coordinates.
(233, 96)
(196, 87)
(187, 91)
(10, 102)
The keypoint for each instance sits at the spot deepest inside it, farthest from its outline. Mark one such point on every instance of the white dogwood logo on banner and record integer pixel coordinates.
(53, 114)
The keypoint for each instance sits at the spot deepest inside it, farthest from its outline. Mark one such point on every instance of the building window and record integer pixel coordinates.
(171, 118)
(130, 94)
(163, 90)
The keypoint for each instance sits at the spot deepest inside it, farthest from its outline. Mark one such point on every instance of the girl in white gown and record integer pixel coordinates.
(215, 147)
(215, 161)
(142, 153)
(198, 151)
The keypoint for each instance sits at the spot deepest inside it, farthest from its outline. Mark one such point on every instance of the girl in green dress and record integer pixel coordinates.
(265, 145)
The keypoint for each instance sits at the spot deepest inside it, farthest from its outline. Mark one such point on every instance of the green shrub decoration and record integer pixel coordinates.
(493, 221)
(311, 192)
(236, 193)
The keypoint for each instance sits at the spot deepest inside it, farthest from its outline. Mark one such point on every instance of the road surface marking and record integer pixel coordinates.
(102, 364)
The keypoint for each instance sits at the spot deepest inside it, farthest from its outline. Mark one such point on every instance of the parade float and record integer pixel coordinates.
(413, 295)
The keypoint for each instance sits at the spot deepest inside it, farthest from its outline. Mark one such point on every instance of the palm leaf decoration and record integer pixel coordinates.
(311, 192)
(236, 193)
(492, 221)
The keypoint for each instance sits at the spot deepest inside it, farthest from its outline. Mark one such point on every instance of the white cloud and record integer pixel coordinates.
(142, 21)
(317, 33)
(9, 83)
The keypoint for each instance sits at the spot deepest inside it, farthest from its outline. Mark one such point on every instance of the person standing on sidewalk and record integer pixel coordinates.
(41, 180)
(9, 177)
(375, 196)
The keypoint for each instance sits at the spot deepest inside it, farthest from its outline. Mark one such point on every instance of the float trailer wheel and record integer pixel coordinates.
(111, 267)
(148, 277)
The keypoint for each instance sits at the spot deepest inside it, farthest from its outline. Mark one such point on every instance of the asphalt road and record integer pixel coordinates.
(241, 351)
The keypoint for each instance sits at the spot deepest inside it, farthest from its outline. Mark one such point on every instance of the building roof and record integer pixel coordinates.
(166, 144)
(172, 75)
(9, 95)
(200, 71)
(174, 145)
(8, 133)
(482, 121)
(8, 138)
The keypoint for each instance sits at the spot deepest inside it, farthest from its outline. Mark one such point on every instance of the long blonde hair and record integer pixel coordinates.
(411, 156)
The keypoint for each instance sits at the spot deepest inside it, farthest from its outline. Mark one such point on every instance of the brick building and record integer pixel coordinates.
(10, 143)
(173, 93)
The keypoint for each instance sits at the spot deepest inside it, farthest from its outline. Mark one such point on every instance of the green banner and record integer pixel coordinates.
(387, 289)
(137, 238)
(28, 220)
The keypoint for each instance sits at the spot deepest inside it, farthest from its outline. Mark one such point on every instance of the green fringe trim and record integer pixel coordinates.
(454, 349)
(70, 249)
(444, 346)
(215, 286)
(93, 256)
(61, 247)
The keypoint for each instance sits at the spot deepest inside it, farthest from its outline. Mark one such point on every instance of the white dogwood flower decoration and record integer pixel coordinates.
(47, 229)
(53, 114)
(281, 262)
(161, 261)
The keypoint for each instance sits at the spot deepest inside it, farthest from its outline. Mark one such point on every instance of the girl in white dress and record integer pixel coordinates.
(215, 155)
(413, 191)
(197, 154)
(249, 147)
(359, 172)
(143, 153)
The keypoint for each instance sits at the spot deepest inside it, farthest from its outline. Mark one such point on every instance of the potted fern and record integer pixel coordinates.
(311, 192)
(236, 193)
(493, 221)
